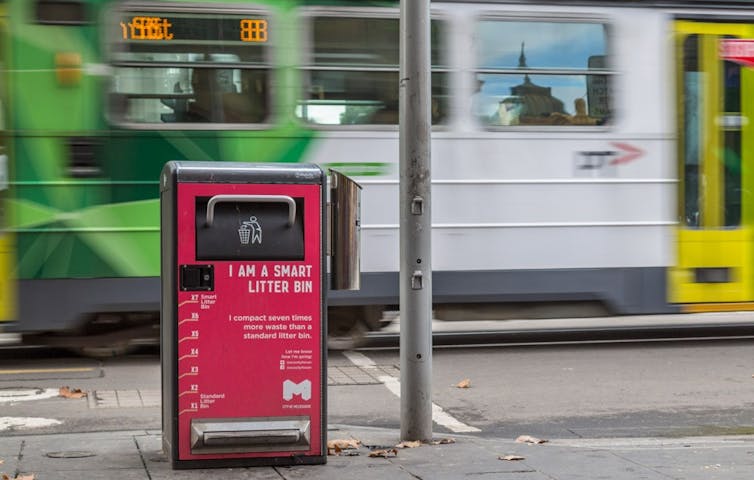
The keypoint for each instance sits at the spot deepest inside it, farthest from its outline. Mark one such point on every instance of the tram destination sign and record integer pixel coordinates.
(738, 50)
(165, 27)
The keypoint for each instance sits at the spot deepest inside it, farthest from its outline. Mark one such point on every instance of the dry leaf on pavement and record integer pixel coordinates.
(443, 441)
(67, 392)
(466, 383)
(511, 458)
(384, 453)
(25, 477)
(408, 444)
(334, 447)
(530, 439)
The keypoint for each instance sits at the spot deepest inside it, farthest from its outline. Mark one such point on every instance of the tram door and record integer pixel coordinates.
(715, 261)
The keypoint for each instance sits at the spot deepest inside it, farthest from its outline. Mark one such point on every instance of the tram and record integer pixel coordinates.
(586, 156)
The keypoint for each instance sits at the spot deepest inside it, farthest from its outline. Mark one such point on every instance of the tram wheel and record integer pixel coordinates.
(103, 335)
(104, 351)
(347, 326)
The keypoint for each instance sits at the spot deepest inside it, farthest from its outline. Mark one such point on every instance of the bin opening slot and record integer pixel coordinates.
(249, 227)
(250, 434)
(262, 437)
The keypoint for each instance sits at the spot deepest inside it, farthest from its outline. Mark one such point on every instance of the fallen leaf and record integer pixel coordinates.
(336, 450)
(407, 444)
(511, 458)
(530, 439)
(344, 443)
(384, 453)
(335, 447)
(464, 383)
(442, 441)
(25, 477)
(67, 392)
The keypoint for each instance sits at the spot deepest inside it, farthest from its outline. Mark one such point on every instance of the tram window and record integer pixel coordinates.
(712, 152)
(732, 143)
(197, 68)
(542, 73)
(692, 94)
(61, 12)
(149, 95)
(352, 72)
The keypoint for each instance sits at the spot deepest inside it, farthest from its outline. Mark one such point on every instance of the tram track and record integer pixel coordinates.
(448, 334)
(569, 334)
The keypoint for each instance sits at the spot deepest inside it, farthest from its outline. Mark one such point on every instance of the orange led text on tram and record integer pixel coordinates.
(147, 28)
(251, 30)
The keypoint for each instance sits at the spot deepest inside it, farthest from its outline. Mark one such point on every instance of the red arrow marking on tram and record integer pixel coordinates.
(737, 50)
(630, 153)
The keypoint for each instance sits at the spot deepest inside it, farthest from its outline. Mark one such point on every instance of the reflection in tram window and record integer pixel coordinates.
(542, 73)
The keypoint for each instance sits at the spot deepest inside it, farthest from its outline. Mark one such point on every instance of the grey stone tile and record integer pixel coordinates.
(258, 473)
(106, 454)
(123, 474)
(693, 462)
(348, 468)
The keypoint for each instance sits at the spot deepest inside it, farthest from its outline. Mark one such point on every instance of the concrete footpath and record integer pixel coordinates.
(132, 455)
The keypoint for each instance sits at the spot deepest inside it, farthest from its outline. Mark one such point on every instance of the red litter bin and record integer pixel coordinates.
(243, 324)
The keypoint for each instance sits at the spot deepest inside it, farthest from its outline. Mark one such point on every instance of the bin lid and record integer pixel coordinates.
(242, 172)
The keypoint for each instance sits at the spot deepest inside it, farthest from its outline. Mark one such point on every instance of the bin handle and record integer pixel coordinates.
(251, 199)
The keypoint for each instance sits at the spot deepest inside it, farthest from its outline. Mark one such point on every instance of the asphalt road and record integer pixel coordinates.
(576, 390)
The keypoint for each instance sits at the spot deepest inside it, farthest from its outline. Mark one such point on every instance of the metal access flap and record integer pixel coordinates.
(249, 227)
(238, 435)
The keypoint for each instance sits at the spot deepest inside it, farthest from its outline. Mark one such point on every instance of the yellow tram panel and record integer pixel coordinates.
(725, 251)
(714, 255)
(7, 282)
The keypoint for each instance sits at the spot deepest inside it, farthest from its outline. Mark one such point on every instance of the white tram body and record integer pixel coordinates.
(546, 212)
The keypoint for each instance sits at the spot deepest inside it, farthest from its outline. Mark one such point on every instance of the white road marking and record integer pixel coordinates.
(445, 419)
(439, 416)
(9, 395)
(359, 359)
(7, 423)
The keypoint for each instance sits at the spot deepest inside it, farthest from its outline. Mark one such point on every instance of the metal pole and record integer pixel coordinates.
(415, 222)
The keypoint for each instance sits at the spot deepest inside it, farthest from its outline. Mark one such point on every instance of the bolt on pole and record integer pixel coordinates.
(415, 222)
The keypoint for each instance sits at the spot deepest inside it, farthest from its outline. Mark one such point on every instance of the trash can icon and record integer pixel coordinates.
(244, 232)
(250, 230)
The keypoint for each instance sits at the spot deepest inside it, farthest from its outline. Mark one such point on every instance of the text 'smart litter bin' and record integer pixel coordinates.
(243, 311)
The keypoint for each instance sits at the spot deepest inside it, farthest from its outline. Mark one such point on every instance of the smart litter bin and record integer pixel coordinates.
(243, 314)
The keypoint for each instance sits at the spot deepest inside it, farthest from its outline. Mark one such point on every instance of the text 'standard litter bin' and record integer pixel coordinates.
(243, 312)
